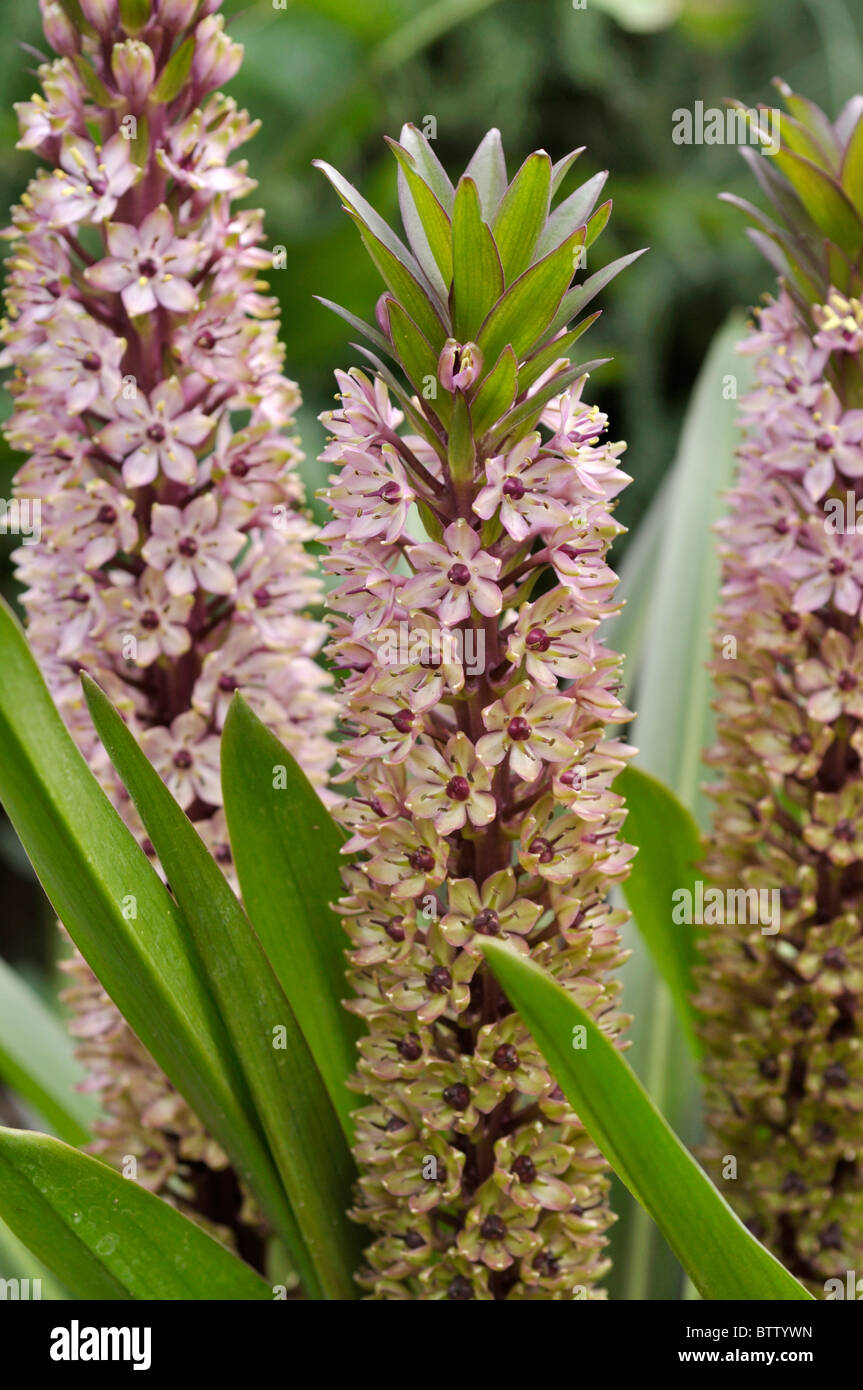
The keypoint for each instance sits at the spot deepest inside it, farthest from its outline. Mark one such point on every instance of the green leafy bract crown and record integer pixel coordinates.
(487, 270)
(814, 184)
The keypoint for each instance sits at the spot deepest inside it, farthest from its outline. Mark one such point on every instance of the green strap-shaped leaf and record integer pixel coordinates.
(106, 1237)
(120, 916)
(673, 726)
(477, 277)
(17, 1262)
(722, 1258)
(522, 213)
(287, 851)
(669, 847)
(36, 1060)
(366, 330)
(296, 1114)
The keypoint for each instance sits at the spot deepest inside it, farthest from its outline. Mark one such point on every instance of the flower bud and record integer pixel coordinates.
(177, 14)
(459, 365)
(102, 14)
(134, 69)
(59, 29)
(217, 58)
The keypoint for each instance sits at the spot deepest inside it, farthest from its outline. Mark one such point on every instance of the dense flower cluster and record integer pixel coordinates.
(149, 396)
(781, 1008)
(473, 580)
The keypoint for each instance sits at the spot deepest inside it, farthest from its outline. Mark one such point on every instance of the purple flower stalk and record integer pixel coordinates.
(471, 524)
(780, 993)
(150, 398)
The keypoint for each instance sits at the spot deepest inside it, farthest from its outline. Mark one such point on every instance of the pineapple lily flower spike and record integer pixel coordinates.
(150, 399)
(472, 506)
(781, 998)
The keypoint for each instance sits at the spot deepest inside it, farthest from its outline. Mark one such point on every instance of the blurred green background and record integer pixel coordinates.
(329, 78)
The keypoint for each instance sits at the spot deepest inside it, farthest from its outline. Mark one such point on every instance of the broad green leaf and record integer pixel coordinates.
(177, 69)
(418, 360)
(487, 170)
(669, 847)
(106, 1237)
(33, 1277)
(496, 393)
(477, 277)
(120, 916)
(522, 213)
(295, 1111)
(674, 725)
(406, 289)
(527, 308)
(36, 1060)
(287, 853)
(580, 296)
(625, 631)
(571, 213)
(824, 200)
(719, 1254)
